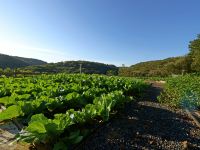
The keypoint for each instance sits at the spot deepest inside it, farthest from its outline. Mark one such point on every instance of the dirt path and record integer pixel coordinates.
(146, 124)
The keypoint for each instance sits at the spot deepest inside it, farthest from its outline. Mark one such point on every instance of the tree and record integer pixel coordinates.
(170, 68)
(7, 71)
(1, 71)
(111, 72)
(194, 54)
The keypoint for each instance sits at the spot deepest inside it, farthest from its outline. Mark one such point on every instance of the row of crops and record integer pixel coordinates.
(60, 110)
(182, 91)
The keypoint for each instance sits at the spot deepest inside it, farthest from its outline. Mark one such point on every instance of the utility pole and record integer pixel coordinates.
(80, 68)
(183, 71)
(14, 72)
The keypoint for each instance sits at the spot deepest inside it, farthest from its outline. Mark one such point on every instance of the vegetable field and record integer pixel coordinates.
(60, 110)
(182, 91)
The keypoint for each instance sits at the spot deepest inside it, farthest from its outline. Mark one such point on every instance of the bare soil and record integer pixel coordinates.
(146, 124)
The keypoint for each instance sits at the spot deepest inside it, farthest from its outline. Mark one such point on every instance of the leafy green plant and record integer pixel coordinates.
(57, 108)
(182, 91)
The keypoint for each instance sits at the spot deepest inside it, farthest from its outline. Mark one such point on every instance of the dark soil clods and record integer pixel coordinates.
(146, 124)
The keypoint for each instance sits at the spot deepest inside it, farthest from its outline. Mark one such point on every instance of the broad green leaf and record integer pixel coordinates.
(39, 118)
(11, 112)
(36, 127)
(60, 146)
(7, 100)
(74, 134)
(77, 140)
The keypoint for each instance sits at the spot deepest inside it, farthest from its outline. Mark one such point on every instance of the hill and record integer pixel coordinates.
(31, 61)
(189, 63)
(74, 67)
(173, 65)
(17, 62)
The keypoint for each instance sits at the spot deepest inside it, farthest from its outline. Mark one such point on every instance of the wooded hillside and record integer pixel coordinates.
(174, 65)
(189, 63)
(74, 67)
(12, 62)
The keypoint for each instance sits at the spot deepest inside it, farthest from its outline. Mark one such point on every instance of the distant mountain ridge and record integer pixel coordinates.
(7, 61)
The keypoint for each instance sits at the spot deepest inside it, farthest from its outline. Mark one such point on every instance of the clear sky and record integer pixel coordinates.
(109, 31)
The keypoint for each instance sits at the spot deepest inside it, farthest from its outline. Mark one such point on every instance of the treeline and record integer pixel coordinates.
(15, 72)
(13, 65)
(189, 63)
(74, 67)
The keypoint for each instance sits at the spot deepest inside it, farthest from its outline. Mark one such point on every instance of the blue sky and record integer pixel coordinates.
(109, 31)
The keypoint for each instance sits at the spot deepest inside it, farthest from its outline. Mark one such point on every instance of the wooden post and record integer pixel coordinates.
(80, 68)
